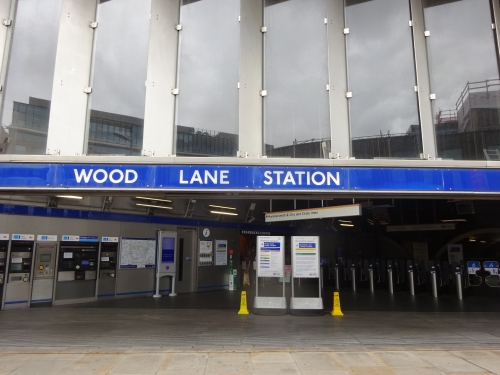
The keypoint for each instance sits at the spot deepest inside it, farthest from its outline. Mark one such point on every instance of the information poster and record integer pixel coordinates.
(206, 254)
(137, 253)
(167, 249)
(305, 257)
(221, 253)
(270, 255)
(455, 253)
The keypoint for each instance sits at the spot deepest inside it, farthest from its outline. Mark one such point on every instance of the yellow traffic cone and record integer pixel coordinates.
(336, 305)
(243, 304)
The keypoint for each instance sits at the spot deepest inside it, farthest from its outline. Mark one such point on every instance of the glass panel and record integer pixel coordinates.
(207, 114)
(297, 120)
(120, 72)
(28, 89)
(384, 106)
(464, 76)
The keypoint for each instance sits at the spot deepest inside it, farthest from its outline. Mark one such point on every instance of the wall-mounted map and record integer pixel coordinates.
(137, 253)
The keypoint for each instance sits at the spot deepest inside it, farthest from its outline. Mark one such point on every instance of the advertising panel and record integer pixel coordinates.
(270, 255)
(305, 257)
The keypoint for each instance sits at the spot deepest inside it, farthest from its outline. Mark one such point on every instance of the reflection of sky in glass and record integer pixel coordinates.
(296, 72)
(381, 68)
(121, 57)
(209, 65)
(461, 48)
(33, 53)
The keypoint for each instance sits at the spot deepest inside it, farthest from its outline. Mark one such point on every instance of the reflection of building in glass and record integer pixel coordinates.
(200, 142)
(109, 133)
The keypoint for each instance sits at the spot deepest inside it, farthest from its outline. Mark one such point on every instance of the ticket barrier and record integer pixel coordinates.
(43, 274)
(376, 275)
(18, 288)
(340, 276)
(439, 278)
(106, 285)
(76, 272)
(482, 278)
(4, 248)
(363, 273)
(396, 278)
(417, 277)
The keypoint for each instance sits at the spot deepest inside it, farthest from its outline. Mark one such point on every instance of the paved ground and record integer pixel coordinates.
(379, 334)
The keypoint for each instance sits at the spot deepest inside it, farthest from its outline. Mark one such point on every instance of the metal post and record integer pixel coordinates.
(353, 277)
(411, 281)
(157, 294)
(337, 281)
(458, 281)
(389, 279)
(434, 282)
(173, 294)
(370, 277)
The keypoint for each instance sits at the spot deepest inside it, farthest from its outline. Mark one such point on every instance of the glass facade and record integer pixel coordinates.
(463, 63)
(28, 88)
(120, 72)
(384, 105)
(297, 119)
(208, 105)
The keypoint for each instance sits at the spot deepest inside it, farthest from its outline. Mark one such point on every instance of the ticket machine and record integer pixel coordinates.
(4, 249)
(18, 288)
(77, 263)
(44, 270)
(108, 258)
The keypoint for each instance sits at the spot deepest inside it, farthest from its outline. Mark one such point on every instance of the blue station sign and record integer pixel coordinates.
(247, 178)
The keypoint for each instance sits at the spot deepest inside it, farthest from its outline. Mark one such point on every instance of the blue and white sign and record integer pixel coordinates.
(473, 267)
(23, 237)
(247, 178)
(80, 238)
(166, 261)
(270, 256)
(110, 239)
(491, 267)
(46, 238)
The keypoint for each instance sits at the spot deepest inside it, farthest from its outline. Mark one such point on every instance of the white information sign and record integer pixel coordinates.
(68, 256)
(455, 253)
(270, 255)
(221, 253)
(138, 253)
(305, 257)
(314, 213)
(16, 260)
(46, 238)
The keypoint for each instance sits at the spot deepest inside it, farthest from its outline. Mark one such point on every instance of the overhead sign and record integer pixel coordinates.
(305, 257)
(247, 178)
(270, 256)
(419, 227)
(314, 213)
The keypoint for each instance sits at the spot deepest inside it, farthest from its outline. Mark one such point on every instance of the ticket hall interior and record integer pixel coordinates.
(404, 254)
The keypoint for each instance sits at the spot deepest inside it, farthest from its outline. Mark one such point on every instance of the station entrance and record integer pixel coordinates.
(104, 250)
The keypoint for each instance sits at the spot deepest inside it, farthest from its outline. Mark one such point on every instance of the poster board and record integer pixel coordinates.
(206, 253)
(221, 252)
(270, 256)
(305, 257)
(137, 253)
(167, 243)
(455, 253)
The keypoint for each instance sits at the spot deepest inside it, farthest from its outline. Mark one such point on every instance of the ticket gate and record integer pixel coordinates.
(106, 285)
(76, 270)
(482, 278)
(18, 288)
(4, 248)
(44, 271)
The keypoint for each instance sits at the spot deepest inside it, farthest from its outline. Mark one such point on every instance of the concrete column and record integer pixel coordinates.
(251, 79)
(423, 81)
(68, 112)
(159, 127)
(337, 71)
(7, 12)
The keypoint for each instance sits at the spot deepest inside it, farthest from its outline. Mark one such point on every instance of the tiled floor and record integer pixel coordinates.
(143, 336)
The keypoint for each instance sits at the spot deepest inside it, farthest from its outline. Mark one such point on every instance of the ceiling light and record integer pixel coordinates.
(223, 207)
(345, 221)
(154, 206)
(347, 225)
(453, 220)
(472, 240)
(154, 199)
(69, 196)
(224, 213)
(483, 241)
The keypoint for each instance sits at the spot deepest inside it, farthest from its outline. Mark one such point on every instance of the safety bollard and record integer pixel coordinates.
(337, 281)
(411, 281)
(353, 277)
(434, 282)
(389, 279)
(370, 278)
(458, 281)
